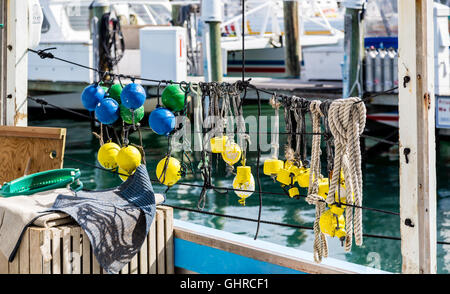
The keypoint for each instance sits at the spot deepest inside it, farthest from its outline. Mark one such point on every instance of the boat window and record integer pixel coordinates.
(78, 17)
(45, 24)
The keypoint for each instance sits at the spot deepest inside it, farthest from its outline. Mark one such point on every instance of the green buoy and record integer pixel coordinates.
(127, 115)
(115, 91)
(173, 97)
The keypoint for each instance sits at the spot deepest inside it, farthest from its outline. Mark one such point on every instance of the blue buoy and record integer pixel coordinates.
(107, 111)
(162, 121)
(133, 96)
(91, 96)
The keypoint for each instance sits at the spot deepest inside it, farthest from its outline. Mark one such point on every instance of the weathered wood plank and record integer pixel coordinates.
(46, 251)
(66, 249)
(143, 257)
(24, 253)
(168, 237)
(134, 265)
(35, 252)
(3, 264)
(152, 247)
(86, 254)
(417, 136)
(95, 264)
(160, 242)
(13, 267)
(126, 269)
(76, 249)
(56, 250)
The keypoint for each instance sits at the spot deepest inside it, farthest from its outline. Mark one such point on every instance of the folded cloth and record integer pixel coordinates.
(116, 221)
(19, 212)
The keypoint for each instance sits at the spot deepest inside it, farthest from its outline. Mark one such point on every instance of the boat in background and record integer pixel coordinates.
(66, 27)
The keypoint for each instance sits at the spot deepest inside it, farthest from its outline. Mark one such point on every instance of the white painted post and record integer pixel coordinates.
(417, 136)
(14, 103)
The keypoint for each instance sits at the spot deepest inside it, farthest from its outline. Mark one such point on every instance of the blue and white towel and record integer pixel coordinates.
(116, 221)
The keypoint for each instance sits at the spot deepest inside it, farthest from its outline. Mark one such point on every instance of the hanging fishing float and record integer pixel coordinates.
(107, 155)
(91, 96)
(168, 172)
(133, 96)
(107, 111)
(273, 165)
(114, 92)
(231, 153)
(173, 97)
(244, 181)
(129, 158)
(131, 117)
(162, 121)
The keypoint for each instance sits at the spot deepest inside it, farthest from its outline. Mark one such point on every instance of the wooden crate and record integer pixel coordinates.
(70, 251)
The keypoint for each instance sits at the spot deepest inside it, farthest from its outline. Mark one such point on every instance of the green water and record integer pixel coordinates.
(381, 190)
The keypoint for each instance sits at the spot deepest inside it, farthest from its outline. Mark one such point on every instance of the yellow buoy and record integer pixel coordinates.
(286, 177)
(218, 144)
(323, 188)
(123, 175)
(173, 171)
(107, 155)
(272, 166)
(303, 177)
(244, 181)
(232, 153)
(129, 158)
(333, 225)
(293, 192)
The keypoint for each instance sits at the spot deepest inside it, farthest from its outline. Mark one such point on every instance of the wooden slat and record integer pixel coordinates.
(95, 264)
(32, 132)
(168, 237)
(126, 269)
(24, 253)
(3, 264)
(66, 249)
(35, 252)
(160, 241)
(13, 267)
(143, 257)
(152, 248)
(76, 249)
(86, 254)
(46, 240)
(56, 250)
(134, 265)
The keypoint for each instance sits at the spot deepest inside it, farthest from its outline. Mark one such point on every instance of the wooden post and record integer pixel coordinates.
(14, 63)
(354, 43)
(215, 51)
(211, 12)
(417, 136)
(292, 43)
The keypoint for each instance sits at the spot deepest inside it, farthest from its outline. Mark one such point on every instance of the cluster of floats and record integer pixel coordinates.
(110, 103)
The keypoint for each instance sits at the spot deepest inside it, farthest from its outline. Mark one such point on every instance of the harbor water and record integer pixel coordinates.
(381, 191)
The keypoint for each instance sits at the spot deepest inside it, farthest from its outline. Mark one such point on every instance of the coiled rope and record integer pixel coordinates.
(320, 242)
(347, 119)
